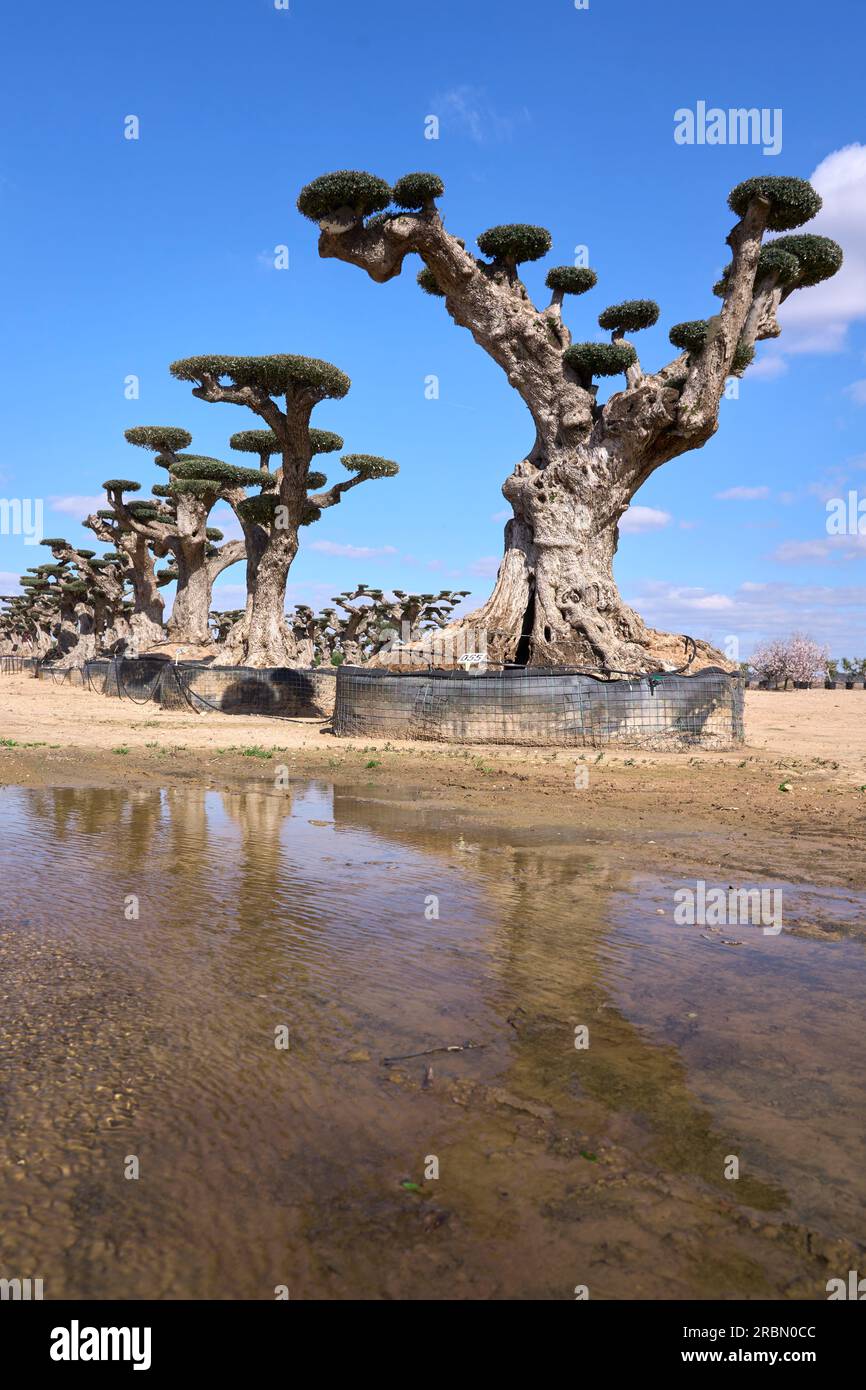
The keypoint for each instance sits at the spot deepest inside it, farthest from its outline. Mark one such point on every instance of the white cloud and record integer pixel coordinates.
(76, 506)
(224, 519)
(857, 391)
(487, 567)
(768, 366)
(636, 520)
(821, 550)
(352, 552)
(8, 582)
(835, 615)
(817, 319)
(742, 494)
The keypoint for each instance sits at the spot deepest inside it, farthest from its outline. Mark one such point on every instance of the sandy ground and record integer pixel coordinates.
(792, 801)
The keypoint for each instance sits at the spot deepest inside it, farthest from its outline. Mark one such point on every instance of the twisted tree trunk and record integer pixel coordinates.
(555, 599)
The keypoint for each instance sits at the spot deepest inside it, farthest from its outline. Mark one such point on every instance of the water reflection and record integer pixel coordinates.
(366, 928)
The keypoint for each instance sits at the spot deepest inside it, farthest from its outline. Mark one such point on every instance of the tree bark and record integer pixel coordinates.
(555, 601)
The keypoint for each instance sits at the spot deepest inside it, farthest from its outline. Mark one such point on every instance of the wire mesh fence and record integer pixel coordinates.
(62, 675)
(542, 706)
(17, 665)
(278, 692)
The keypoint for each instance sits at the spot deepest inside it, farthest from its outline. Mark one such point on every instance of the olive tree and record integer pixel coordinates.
(97, 585)
(175, 523)
(555, 600)
(137, 556)
(292, 495)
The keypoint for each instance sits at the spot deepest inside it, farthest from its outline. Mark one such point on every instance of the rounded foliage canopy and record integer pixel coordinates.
(571, 279)
(194, 487)
(775, 260)
(369, 465)
(792, 201)
(158, 437)
(277, 373)
(515, 241)
(255, 442)
(121, 485)
(216, 471)
(325, 442)
(819, 257)
(315, 481)
(417, 190)
(345, 188)
(599, 359)
(260, 508)
(631, 315)
(690, 336)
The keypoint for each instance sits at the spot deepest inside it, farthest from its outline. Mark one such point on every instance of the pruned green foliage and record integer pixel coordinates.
(310, 515)
(630, 316)
(316, 481)
(255, 442)
(370, 465)
(344, 188)
(690, 336)
(194, 487)
(819, 257)
(792, 201)
(226, 474)
(427, 281)
(260, 509)
(84, 555)
(599, 359)
(775, 260)
(415, 191)
(571, 279)
(213, 533)
(158, 490)
(325, 442)
(142, 511)
(165, 576)
(158, 437)
(106, 515)
(515, 241)
(53, 542)
(121, 485)
(277, 373)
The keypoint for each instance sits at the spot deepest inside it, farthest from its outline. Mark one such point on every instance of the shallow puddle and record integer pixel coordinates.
(201, 988)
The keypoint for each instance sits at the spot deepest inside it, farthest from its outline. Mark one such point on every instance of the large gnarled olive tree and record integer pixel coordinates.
(555, 599)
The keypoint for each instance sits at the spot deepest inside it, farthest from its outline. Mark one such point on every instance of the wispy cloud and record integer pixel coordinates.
(753, 611)
(821, 550)
(77, 506)
(857, 391)
(487, 567)
(352, 552)
(468, 110)
(742, 494)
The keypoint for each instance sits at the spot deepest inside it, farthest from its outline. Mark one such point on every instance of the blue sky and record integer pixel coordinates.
(120, 255)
